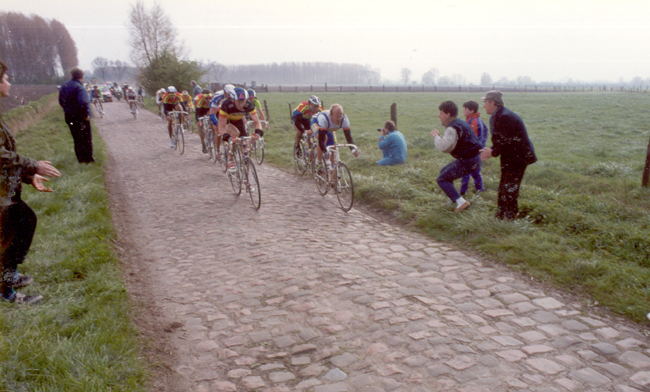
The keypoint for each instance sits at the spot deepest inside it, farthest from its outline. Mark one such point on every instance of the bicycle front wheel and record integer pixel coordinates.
(299, 159)
(258, 150)
(253, 186)
(180, 140)
(322, 179)
(235, 178)
(209, 145)
(344, 186)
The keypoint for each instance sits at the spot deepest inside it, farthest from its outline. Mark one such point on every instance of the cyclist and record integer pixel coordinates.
(202, 103)
(171, 101)
(324, 124)
(215, 106)
(131, 96)
(302, 116)
(141, 94)
(252, 96)
(231, 119)
(98, 96)
(159, 95)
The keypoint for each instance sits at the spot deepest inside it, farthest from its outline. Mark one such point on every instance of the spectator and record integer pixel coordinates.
(462, 144)
(196, 89)
(75, 101)
(392, 145)
(17, 219)
(510, 141)
(470, 111)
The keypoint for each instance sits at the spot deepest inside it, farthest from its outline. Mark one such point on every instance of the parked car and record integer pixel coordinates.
(106, 92)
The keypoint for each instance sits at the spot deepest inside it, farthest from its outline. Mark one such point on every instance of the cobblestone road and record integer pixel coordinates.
(300, 296)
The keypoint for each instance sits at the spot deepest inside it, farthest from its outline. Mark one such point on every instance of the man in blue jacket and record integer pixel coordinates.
(392, 144)
(75, 100)
(509, 141)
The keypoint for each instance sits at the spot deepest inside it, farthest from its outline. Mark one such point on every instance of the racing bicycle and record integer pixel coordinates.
(98, 107)
(133, 105)
(305, 155)
(209, 140)
(257, 145)
(247, 174)
(336, 176)
(177, 130)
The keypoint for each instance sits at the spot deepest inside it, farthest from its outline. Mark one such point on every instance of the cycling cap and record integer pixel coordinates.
(314, 100)
(185, 92)
(171, 89)
(230, 90)
(240, 94)
(251, 93)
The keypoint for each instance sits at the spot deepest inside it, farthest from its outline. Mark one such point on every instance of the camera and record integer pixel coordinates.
(379, 129)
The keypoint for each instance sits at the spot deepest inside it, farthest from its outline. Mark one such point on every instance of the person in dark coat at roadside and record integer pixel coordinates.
(75, 101)
(17, 219)
(509, 141)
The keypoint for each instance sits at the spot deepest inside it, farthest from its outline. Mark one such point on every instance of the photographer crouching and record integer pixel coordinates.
(392, 144)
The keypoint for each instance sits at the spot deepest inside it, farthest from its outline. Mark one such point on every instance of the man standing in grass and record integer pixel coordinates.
(461, 142)
(17, 219)
(75, 101)
(510, 141)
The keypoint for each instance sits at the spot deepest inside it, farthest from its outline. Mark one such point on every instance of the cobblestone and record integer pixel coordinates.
(299, 294)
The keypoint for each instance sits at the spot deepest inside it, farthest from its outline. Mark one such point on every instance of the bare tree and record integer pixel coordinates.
(119, 69)
(458, 80)
(151, 34)
(486, 79)
(429, 77)
(215, 71)
(406, 75)
(100, 67)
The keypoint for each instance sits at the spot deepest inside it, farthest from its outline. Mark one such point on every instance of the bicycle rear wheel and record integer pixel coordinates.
(180, 140)
(322, 179)
(209, 145)
(344, 187)
(253, 184)
(299, 159)
(224, 156)
(235, 179)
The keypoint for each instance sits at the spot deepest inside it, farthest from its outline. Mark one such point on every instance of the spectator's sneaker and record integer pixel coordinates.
(231, 167)
(462, 207)
(23, 299)
(22, 281)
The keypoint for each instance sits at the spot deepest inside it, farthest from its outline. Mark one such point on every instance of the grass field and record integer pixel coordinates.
(80, 338)
(587, 224)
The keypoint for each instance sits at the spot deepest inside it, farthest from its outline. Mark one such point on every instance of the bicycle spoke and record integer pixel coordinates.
(253, 184)
(344, 187)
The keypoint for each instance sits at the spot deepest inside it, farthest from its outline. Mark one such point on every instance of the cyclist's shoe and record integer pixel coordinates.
(171, 143)
(22, 280)
(231, 167)
(205, 149)
(23, 299)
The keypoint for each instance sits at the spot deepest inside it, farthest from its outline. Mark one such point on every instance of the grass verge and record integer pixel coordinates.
(587, 227)
(80, 338)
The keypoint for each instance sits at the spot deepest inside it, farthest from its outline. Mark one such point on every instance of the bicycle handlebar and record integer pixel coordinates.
(334, 147)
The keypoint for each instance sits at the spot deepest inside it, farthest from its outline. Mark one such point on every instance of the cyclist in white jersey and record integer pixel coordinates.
(325, 123)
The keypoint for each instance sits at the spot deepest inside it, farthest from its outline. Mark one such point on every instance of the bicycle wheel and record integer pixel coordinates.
(162, 115)
(209, 145)
(253, 184)
(224, 156)
(180, 140)
(134, 111)
(235, 179)
(344, 187)
(299, 159)
(322, 179)
(258, 150)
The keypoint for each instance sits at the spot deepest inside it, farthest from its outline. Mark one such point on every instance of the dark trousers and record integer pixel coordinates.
(82, 136)
(17, 226)
(455, 170)
(507, 207)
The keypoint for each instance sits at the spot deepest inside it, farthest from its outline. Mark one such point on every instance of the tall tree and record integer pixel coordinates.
(429, 77)
(151, 34)
(65, 45)
(486, 79)
(100, 67)
(406, 75)
(166, 70)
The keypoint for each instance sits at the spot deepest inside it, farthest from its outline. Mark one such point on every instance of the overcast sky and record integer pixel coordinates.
(550, 40)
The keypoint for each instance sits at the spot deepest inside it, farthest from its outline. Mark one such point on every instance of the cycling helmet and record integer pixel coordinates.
(206, 91)
(314, 100)
(230, 90)
(251, 93)
(185, 92)
(240, 94)
(171, 89)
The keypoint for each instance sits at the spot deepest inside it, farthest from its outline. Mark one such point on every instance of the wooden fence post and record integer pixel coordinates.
(290, 111)
(646, 169)
(325, 87)
(393, 113)
(266, 109)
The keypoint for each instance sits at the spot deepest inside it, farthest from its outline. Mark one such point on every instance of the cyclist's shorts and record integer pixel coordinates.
(239, 124)
(305, 123)
(200, 112)
(169, 107)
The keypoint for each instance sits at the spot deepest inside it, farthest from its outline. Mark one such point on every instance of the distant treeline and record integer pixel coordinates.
(295, 73)
(36, 51)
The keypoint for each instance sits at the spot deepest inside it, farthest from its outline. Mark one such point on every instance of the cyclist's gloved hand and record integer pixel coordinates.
(259, 132)
(355, 152)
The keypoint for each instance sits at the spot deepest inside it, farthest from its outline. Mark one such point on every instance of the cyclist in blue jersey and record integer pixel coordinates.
(324, 124)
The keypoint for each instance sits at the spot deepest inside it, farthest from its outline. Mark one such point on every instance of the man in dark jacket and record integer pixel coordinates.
(510, 141)
(17, 219)
(74, 100)
(461, 142)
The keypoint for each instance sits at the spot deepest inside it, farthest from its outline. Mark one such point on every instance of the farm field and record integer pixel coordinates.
(21, 94)
(587, 223)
